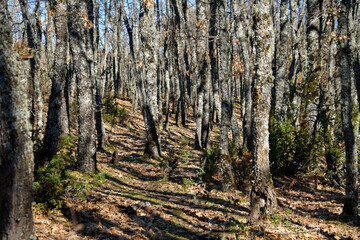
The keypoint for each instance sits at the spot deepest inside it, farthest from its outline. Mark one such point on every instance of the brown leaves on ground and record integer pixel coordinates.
(135, 202)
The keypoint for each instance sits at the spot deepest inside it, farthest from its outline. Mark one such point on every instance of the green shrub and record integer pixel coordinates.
(240, 161)
(209, 162)
(113, 113)
(58, 179)
(50, 180)
(168, 163)
(293, 150)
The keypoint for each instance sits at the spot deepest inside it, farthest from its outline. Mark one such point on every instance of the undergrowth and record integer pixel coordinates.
(113, 113)
(58, 178)
(240, 160)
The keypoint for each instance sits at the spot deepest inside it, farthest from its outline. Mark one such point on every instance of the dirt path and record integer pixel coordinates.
(135, 202)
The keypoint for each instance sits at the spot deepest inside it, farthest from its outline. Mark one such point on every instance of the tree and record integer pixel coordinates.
(33, 32)
(80, 25)
(262, 196)
(202, 54)
(16, 148)
(149, 42)
(281, 62)
(225, 63)
(57, 120)
(349, 111)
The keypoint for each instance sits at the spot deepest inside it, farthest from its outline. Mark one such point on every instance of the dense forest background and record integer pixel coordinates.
(257, 89)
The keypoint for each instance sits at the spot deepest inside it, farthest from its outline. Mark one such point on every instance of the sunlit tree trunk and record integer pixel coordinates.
(281, 63)
(33, 32)
(80, 24)
(16, 151)
(149, 43)
(202, 54)
(262, 197)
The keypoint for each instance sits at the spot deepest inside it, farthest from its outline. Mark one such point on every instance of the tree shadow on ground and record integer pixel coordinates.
(88, 225)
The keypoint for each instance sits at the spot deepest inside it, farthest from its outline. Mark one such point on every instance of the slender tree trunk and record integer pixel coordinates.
(227, 174)
(16, 152)
(243, 34)
(81, 49)
(281, 63)
(33, 33)
(57, 119)
(99, 84)
(202, 54)
(262, 197)
(349, 112)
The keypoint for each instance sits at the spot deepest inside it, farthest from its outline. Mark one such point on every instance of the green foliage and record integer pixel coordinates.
(283, 145)
(168, 164)
(57, 179)
(113, 113)
(50, 180)
(188, 182)
(209, 163)
(240, 160)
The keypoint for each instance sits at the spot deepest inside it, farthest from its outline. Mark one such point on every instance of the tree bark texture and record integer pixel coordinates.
(225, 64)
(149, 42)
(349, 111)
(202, 54)
(16, 148)
(57, 119)
(79, 24)
(33, 32)
(262, 196)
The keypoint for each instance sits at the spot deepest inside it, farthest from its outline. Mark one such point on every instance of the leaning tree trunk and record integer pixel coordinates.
(226, 169)
(150, 108)
(349, 111)
(262, 197)
(57, 119)
(80, 45)
(16, 151)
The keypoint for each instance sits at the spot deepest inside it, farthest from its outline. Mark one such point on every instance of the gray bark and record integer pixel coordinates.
(225, 63)
(81, 49)
(33, 32)
(57, 119)
(349, 111)
(16, 151)
(203, 67)
(150, 47)
(282, 63)
(262, 196)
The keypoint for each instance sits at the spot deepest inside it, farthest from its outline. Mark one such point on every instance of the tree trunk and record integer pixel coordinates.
(99, 84)
(262, 197)
(281, 64)
(349, 111)
(81, 49)
(150, 47)
(33, 33)
(227, 174)
(16, 152)
(57, 119)
(202, 54)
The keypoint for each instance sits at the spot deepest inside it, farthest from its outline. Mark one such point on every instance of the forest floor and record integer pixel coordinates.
(134, 201)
